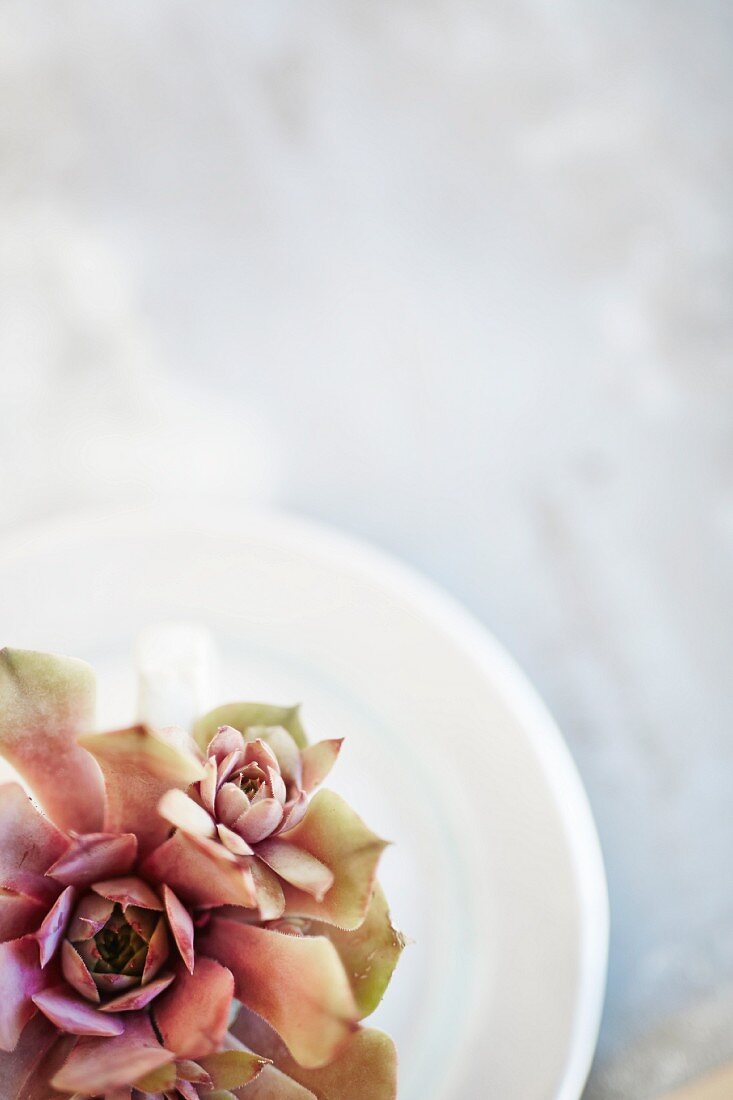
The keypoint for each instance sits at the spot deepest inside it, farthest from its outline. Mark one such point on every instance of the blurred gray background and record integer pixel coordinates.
(453, 275)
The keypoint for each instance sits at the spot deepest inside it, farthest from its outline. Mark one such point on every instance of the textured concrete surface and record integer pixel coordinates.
(455, 276)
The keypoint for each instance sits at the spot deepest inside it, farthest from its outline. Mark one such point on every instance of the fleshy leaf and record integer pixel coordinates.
(143, 921)
(94, 856)
(187, 1091)
(364, 1069)
(231, 803)
(296, 866)
(100, 1065)
(21, 978)
(135, 999)
(181, 926)
(20, 1070)
(198, 877)
(318, 760)
(208, 785)
(293, 813)
(19, 915)
(192, 1017)
(333, 833)
(192, 1071)
(158, 1080)
(29, 840)
(261, 819)
(225, 741)
(130, 890)
(369, 954)
(77, 973)
(270, 897)
(139, 767)
(276, 784)
(285, 748)
(31, 885)
(233, 841)
(45, 702)
(91, 914)
(54, 925)
(230, 764)
(183, 813)
(231, 1069)
(270, 1085)
(158, 951)
(310, 1004)
(242, 716)
(257, 752)
(217, 851)
(74, 1014)
(114, 983)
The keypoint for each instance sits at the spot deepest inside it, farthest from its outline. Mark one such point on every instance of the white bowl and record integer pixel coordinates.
(495, 873)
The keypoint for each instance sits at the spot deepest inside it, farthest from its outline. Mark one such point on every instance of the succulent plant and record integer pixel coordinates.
(180, 916)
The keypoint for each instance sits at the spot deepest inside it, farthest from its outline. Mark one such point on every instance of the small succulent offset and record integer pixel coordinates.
(182, 917)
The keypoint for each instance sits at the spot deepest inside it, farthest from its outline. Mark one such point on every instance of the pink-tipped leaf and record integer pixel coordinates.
(310, 1004)
(95, 856)
(181, 926)
(192, 1016)
(72, 1013)
(55, 924)
(139, 767)
(97, 1066)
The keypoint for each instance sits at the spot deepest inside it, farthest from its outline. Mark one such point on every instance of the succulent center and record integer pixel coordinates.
(118, 944)
(250, 784)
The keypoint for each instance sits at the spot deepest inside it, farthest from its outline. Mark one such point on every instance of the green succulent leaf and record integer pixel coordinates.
(369, 954)
(231, 1069)
(243, 715)
(158, 1080)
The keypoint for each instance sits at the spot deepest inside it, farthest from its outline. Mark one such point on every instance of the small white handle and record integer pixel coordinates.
(176, 671)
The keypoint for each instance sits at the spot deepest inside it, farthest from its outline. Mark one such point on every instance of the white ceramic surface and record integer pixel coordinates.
(495, 872)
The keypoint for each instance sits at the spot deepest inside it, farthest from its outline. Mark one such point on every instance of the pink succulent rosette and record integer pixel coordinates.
(181, 917)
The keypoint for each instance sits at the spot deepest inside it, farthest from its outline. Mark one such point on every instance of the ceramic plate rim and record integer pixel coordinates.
(469, 634)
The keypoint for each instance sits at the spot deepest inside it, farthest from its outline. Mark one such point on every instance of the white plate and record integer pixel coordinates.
(496, 872)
